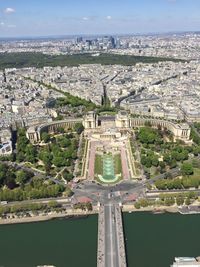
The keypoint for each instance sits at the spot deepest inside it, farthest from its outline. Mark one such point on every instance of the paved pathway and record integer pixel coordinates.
(125, 169)
(91, 161)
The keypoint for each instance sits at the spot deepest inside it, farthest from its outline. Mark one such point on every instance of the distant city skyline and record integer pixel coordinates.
(61, 17)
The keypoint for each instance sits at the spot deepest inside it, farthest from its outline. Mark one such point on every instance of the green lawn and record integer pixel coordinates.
(98, 165)
(118, 164)
(196, 173)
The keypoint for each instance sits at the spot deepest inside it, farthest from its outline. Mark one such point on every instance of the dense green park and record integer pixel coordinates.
(39, 60)
(58, 152)
(18, 185)
(55, 156)
(160, 153)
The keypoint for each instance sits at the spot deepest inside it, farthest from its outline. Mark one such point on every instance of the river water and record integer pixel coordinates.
(151, 240)
(63, 243)
(154, 240)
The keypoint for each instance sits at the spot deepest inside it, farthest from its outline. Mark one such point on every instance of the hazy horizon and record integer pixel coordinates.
(88, 36)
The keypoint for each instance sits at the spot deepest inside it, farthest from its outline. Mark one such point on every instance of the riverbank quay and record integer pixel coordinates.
(15, 219)
(46, 217)
(184, 210)
(161, 209)
(189, 210)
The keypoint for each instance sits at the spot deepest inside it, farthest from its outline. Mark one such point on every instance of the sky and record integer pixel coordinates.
(75, 17)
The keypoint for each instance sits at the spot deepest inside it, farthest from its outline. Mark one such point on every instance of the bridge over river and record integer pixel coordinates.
(111, 247)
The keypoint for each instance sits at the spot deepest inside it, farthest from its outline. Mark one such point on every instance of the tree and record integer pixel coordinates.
(67, 176)
(79, 128)
(59, 161)
(53, 204)
(196, 150)
(173, 164)
(45, 137)
(21, 177)
(20, 156)
(137, 205)
(161, 184)
(167, 158)
(45, 156)
(149, 186)
(147, 135)
(3, 173)
(146, 161)
(89, 206)
(64, 142)
(22, 140)
(187, 201)
(187, 169)
(177, 183)
(143, 202)
(31, 153)
(162, 165)
(10, 179)
(60, 130)
(169, 201)
(155, 161)
(180, 200)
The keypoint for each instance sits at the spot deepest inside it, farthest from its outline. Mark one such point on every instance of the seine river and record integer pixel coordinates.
(152, 241)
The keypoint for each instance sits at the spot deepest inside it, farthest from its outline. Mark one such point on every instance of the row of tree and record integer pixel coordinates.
(167, 200)
(50, 206)
(83, 206)
(35, 189)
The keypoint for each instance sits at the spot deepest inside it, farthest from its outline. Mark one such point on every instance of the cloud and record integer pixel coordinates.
(4, 25)
(11, 26)
(108, 17)
(9, 10)
(86, 18)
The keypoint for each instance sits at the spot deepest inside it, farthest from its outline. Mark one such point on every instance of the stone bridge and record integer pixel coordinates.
(111, 247)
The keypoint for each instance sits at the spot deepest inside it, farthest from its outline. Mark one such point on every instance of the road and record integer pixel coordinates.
(174, 172)
(112, 255)
(118, 193)
(105, 194)
(61, 200)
